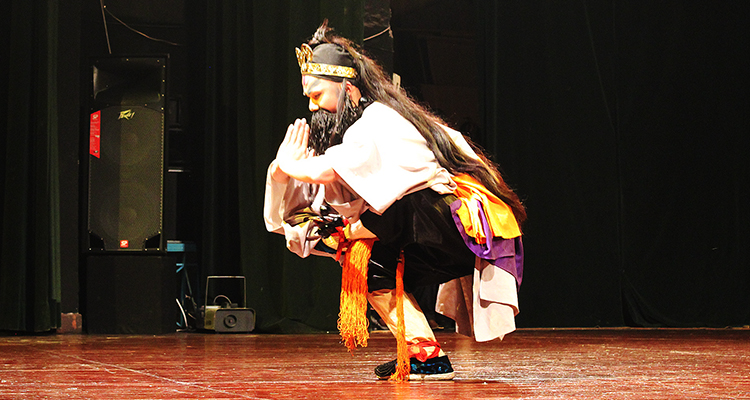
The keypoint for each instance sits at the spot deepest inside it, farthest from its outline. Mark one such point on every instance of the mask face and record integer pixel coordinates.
(323, 93)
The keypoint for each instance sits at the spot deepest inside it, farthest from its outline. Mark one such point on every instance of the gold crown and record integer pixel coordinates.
(307, 67)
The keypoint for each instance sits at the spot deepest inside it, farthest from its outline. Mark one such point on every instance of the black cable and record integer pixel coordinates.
(137, 31)
(106, 31)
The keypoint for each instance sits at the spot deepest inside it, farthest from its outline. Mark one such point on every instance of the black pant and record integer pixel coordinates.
(422, 225)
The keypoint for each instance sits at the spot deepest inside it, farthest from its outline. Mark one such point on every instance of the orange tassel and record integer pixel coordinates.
(402, 359)
(352, 321)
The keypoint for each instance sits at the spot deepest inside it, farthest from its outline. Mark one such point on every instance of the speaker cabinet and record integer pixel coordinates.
(132, 294)
(126, 162)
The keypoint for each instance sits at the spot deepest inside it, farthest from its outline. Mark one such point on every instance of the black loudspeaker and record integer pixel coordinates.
(132, 294)
(126, 163)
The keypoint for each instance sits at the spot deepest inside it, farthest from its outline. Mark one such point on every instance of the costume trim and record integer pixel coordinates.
(403, 366)
(417, 350)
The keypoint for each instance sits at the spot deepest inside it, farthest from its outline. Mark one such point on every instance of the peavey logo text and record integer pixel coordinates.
(126, 114)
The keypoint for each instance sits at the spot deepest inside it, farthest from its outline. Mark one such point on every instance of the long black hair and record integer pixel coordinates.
(374, 85)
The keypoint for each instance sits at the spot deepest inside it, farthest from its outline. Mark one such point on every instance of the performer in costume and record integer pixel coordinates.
(405, 199)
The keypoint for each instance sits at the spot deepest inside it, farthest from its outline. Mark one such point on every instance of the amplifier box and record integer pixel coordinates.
(223, 314)
(234, 320)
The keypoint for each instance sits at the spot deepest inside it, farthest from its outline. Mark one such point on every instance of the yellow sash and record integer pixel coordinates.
(500, 218)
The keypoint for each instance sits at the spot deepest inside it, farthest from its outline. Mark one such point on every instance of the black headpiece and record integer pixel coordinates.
(326, 59)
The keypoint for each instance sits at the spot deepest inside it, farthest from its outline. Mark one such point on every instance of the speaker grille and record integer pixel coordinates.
(126, 182)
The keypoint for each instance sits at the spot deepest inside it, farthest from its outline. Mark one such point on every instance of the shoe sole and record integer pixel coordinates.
(426, 377)
(432, 377)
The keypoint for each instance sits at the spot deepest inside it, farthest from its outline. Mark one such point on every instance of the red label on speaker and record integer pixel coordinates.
(95, 125)
(124, 244)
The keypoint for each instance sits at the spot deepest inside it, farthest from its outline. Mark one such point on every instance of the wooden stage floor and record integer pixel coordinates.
(528, 364)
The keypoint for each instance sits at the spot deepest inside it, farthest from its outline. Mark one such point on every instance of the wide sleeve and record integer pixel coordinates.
(284, 211)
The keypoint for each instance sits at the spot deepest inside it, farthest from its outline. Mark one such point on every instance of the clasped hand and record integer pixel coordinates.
(292, 148)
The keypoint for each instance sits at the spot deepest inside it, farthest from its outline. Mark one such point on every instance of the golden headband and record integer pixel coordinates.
(307, 67)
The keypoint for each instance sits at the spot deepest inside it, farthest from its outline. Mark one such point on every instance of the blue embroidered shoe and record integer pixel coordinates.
(433, 369)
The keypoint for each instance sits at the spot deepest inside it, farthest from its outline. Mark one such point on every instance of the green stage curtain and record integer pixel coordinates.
(253, 92)
(625, 128)
(29, 217)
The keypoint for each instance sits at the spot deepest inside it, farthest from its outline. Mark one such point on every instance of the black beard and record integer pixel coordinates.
(321, 137)
(327, 128)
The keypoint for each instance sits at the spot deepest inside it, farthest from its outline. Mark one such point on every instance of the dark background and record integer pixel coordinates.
(623, 126)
